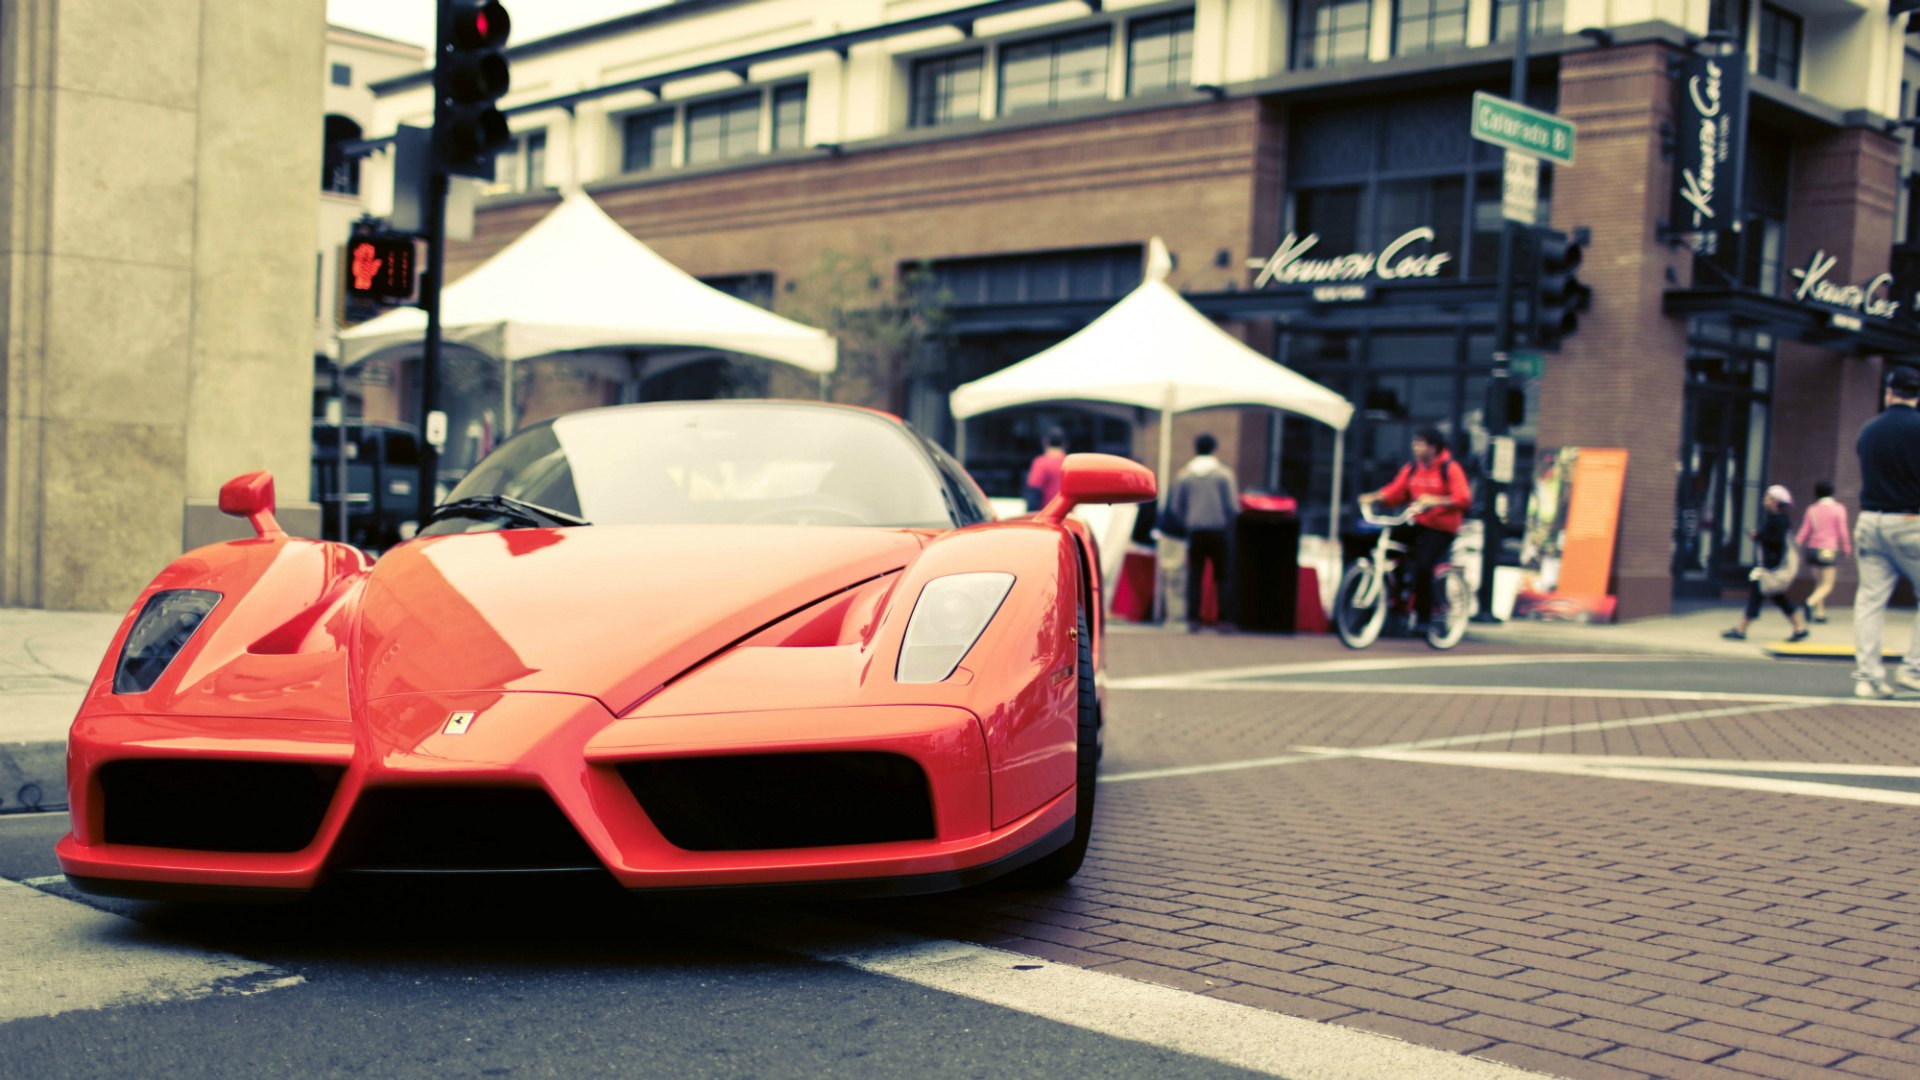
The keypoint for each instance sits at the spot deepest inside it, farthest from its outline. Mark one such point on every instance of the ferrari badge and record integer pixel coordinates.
(458, 723)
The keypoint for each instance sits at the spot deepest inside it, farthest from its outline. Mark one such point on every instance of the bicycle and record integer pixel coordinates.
(1382, 583)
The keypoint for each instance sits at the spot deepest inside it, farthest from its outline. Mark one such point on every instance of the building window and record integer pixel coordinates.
(1160, 52)
(1039, 277)
(1329, 32)
(1424, 26)
(1779, 53)
(649, 142)
(719, 130)
(535, 174)
(946, 89)
(1054, 71)
(340, 170)
(753, 288)
(342, 75)
(1549, 17)
(789, 116)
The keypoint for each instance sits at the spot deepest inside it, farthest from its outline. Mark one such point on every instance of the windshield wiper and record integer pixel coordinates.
(505, 506)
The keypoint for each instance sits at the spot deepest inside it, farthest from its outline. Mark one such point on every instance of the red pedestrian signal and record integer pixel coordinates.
(380, 268)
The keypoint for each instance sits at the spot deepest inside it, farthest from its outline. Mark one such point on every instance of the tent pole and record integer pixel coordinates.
(1166, 498)
(506, 397)
(960, 440)
(1339, 458)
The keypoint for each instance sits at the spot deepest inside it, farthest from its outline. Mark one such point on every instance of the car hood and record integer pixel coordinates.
(610, 611)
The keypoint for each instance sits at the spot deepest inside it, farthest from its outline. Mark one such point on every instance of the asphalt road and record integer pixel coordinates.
(1572, 866)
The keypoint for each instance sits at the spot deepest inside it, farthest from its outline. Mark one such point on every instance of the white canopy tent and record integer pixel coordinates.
(1152, 350)
(579, 280)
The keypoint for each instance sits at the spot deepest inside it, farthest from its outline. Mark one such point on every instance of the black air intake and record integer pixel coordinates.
(757, 802)
(440, 829)
(256, 806)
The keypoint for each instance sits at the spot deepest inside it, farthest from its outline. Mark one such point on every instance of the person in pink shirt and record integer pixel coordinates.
(1043, 476)
(1823, 536)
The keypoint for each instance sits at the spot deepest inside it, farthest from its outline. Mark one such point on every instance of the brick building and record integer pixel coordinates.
(1023, 153)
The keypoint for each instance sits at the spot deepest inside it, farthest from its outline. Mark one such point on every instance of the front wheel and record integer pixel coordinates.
(1453, 606)
(1360, 607)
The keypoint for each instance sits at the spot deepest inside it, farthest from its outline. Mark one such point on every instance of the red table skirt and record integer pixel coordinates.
(1133, 595)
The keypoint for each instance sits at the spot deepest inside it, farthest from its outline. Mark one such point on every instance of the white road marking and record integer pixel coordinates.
(1746, 775)
(1304, 753)
(62, 956)
(50, 879)
(1140, 1012)
(1383, 663)
(1426, 690)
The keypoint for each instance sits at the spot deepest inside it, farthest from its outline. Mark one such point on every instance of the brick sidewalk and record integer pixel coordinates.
(1577, 926)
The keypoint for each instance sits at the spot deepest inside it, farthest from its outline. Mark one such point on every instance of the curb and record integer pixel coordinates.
(33, 776)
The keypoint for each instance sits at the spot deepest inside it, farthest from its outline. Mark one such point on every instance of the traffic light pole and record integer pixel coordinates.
(430, 348)
(1491, 534)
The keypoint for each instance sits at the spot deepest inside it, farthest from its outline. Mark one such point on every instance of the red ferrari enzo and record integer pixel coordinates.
(716, 644)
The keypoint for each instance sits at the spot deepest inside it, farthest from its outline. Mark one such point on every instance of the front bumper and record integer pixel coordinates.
(569, 750)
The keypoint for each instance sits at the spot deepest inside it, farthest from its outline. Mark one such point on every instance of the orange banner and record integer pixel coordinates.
(1593, 522)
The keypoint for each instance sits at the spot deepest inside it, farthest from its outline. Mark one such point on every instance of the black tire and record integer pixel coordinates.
(1058, 867)
(1359, 626)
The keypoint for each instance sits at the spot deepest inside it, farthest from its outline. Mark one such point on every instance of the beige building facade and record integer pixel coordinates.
(157, 166)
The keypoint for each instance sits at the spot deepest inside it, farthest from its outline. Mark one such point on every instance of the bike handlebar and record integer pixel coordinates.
(1371, 517)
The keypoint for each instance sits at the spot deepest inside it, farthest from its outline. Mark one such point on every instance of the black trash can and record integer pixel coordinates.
(1266, 557)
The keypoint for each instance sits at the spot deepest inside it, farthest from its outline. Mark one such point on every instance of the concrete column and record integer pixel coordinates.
(1619, 382)
(159, 207)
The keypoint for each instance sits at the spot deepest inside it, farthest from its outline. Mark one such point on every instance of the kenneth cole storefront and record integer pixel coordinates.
(1738, 239)
(1723, 360)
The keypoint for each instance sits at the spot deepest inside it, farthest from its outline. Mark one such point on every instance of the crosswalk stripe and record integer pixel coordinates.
(1177, 1020)
(62, 956)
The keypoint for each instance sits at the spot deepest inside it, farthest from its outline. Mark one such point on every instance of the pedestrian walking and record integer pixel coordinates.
(1437, 486)
(1886, 538)
(1043, 476)
(1823, 536)
(1779, 565)
(1206, 503)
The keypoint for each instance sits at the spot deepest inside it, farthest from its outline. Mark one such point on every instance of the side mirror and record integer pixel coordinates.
(250, 495)
(1099, 478)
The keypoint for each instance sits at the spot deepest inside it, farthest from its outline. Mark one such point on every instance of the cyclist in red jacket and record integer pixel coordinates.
(1437, 486)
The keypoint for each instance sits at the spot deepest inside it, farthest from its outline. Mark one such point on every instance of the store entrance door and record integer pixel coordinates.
(1723, 462)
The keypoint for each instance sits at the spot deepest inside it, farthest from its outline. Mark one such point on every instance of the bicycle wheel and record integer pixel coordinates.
(1453, 606)
(1358, 616)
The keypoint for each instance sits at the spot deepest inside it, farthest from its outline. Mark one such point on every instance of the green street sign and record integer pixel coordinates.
(1527, 365)
(1516, 127)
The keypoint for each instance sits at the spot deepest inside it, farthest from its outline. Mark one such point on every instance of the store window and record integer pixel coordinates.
(946, 89)
(1160, 52)
(1054, 71)
(1778, 56)
(1549, 17)
(724, 129)
(1330, 32)
(1424, 26)
(789, 116)
(648, 142)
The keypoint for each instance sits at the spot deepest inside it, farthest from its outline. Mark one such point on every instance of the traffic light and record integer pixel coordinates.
(470, 76)
(1558, 296)
(379, 268)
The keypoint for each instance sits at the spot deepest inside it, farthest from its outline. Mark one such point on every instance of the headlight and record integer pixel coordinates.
(164, 627)
(948, 618)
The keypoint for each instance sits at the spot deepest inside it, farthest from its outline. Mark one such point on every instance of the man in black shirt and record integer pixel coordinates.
(1886, 539)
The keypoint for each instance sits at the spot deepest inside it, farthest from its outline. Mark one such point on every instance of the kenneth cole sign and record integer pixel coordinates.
(1706, 163)
(1409, 255)
(1872, 299)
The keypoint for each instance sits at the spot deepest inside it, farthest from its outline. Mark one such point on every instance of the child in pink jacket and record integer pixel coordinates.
(1824, 537)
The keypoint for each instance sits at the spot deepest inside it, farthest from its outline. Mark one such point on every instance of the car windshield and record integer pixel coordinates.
(712, 464)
